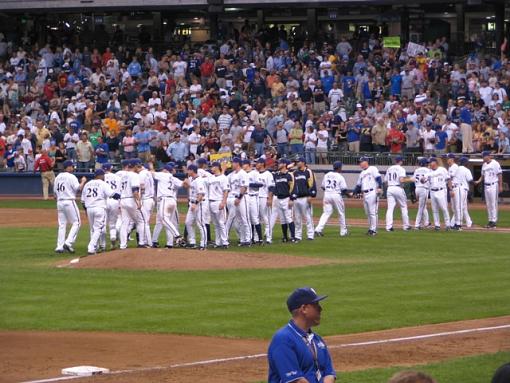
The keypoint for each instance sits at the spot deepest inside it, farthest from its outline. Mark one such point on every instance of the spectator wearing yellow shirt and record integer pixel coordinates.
(111, 124)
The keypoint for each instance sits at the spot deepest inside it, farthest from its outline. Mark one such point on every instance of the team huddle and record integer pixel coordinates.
(249, 199)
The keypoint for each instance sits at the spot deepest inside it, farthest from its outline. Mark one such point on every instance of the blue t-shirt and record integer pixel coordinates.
(396, 84)
(142, 139)
(353, 133)
(348, 83)
(327, 83)
(102, 155)
(442, 137)
(294, 354)
(465, 116)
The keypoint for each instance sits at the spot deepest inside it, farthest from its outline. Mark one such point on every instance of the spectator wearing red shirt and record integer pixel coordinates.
(395, 139)
(44, 164)
(206, 71)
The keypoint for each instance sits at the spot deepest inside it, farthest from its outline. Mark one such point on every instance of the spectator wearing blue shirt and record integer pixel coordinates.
(142, 139)
(102, 152)
(353, 132)
(441, 140)
(296, 353)
(396, 83)
(177, 151)
(259, 136)
(134, 69)
(466, 130)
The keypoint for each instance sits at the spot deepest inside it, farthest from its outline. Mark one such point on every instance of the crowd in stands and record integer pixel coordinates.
(248, 95)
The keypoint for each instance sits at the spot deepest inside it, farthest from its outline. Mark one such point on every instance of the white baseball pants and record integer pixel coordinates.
(303, 209)
(371, 205)
(68, 213)
(394, 195)
(97, 223)
(491, 201)
(331, 202)
(440, 204)
(196, 217)
(422, 216)
(218, 219)
(131, 214)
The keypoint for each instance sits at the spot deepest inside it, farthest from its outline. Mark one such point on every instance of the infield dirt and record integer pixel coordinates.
(34, 355)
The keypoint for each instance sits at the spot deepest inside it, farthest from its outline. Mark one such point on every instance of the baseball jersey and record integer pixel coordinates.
(130, 183)
(419, 173)
(334, 182)
(491, 171)
(95, 193)
(283, 184)
(206, 176)
(253, 178)
(66, 186)
(147, 184)
(368, 178)
(167, 184)
(393, 175)
(452, 172)
(304, 183)
(114, 181)
(438, 178)
(464, 177)
(236, 181)
(266, 178)
(197, 187)
(218, 184)
(121, 174)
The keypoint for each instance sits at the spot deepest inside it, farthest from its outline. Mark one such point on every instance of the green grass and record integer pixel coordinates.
(394, 280)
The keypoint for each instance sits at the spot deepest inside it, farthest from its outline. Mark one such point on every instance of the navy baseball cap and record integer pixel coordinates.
(423, 161)
(193, 168)
(106, 166)
(246, 161)
(301, 159)
(68, 163)
(303, 296)
(169, 167)
(363, 159)
(125, 163)
(236, 160)
(136, 161)
(399, 159)
(99, 172)
(215, 164)
(463, 160)
(261, 161)
(486, 153)
(337, 165)
(201, 161)
(433, 159)
(283, 161)
(451, 155)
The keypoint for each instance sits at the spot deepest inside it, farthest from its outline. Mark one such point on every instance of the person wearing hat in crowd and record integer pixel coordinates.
(296, 353)
(237, 204)
(218, 188)
(265, 202)
(167, 187)
(464, 178)
(94, 198)
(370, 184)
(304, 190)
(492, 177)
(439, 183)
(334, 187)
(422, 194)
(112, 206)
(283, 201)
(454, 193)
(131, 206)
(395, 178)
(66, 189)
(195, 215)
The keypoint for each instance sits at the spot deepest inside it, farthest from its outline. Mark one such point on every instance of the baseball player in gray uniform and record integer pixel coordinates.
(422, 193)
(492, 177)
(266, 179)
(395, 177)
(464, 178)
(334, 186)
(370, 185)
(218, 193)
(94, 197)
(112, 205)
(66, 189)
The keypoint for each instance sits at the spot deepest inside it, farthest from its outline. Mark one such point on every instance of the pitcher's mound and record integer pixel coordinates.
(183, 259)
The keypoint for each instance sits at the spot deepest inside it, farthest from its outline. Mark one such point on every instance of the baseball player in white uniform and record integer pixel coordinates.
(94, 197)
(205, 174)
(66, 188)
(454, 194)
(395, 177)
(237, 204)
(439, 181)
(266, 179)
(492, 177)
(370, 184)
(422, 193)
(464, 178)
(334, 186)
(167, 186)
(131, 206)
(147, 195)
(218, 193)
(252, 199)
(112, 205)
(195, 215)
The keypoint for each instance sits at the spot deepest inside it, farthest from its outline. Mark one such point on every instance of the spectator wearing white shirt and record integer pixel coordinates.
(310, 143)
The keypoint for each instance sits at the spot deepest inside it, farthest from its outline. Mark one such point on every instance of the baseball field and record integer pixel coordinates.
(433, 301)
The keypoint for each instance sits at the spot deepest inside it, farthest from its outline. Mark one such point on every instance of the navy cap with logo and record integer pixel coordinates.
(337, 165)
(99, 172)
(283, 161)
(433, 159)
(261, 161)
(236, 160)
(486, 153)
(303, 296)
(125, 163)
(215, 164)
(463, 160)
(301, 159)
(363, 159)
(106, 166)
(246, 162)
(169, 167)
(423, 162)
(202, 161)
(399, 159)
(451, 155)
(193, 168)
(68, 163)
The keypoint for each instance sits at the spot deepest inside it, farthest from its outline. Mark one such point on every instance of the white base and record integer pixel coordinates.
(84, 371)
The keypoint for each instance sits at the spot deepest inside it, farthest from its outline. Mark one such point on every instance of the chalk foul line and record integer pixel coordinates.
(258, 356)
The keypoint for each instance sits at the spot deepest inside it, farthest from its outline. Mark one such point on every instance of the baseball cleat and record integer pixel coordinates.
(408, 228)
(344, 234)
(390, 229)
(191, 246)
(69, 248)
(284, 240)
(102, 250)
(319, 234)
(201, 248)
(372, 233)
(113, 244)
(169, 247)
(155, 245)
(268, 242)
(143, 247)
(295, 240)
(91, 253)
(59, 251)
(437, 228)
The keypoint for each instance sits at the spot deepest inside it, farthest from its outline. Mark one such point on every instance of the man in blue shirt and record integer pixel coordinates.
(178, 151)
(142, 139)
(465, 125)
(296, 354)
